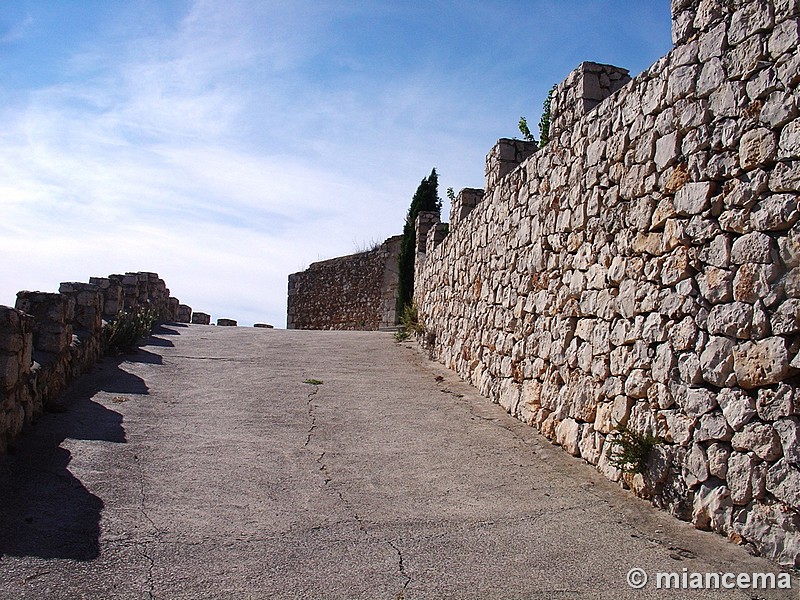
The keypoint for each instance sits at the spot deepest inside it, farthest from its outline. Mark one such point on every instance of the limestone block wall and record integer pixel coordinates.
(350, 292)
(643, 270)
(48, 339)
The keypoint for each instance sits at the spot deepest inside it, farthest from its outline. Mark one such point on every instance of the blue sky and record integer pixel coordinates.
(226, 144)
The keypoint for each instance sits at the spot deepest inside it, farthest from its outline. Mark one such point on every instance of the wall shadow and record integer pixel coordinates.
(45, 511)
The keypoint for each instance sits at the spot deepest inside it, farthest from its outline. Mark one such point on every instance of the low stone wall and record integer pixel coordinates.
(48, 339)
(350, 292)
(643, 270)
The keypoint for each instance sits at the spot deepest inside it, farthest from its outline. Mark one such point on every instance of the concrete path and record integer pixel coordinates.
(204, 467)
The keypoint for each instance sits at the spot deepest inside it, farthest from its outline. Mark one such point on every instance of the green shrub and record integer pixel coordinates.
(631, 450)
(126, 332)
(410, 319)
(410, 323)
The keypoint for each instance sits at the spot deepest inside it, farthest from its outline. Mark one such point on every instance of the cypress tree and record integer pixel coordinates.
(426, 198)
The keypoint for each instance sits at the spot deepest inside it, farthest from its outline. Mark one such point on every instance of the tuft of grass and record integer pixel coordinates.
(313, 382)
(631, 450)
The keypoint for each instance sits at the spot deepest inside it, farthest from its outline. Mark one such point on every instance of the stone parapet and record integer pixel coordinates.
(48, 339)
(184, 314)
(466, 200)
(504, 157)
(53, 314)
(201, 318)
(582, 90)
(88, 301)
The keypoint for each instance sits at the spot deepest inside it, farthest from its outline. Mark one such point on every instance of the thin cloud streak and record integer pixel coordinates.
(237, 143)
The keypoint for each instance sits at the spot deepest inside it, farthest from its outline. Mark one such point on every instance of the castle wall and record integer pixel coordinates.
(643, 270)
(48, 339)
(357, 292)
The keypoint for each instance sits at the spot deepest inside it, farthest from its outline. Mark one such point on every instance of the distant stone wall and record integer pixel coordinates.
(643, 270)
(350, 292)
(48, 339)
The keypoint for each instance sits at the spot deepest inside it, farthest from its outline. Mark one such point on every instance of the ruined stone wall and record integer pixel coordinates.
(350, 292)
(643, 270)
(48, 339)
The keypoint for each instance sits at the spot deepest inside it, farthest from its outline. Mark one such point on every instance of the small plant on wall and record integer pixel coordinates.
(410, 323)
(631, 450)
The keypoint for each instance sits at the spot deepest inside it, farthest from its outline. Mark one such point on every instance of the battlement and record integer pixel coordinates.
(50, 338)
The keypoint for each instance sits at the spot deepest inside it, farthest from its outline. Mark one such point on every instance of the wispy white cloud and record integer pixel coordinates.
(240, 141)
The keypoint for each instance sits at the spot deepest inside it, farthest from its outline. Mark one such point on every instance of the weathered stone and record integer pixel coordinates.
(712, 426)
(696, 401)
(690, 369)
(200, 318)
(786, 320)
(754, 247)
(568, 434)
(693, 198)
(779, 109)
(679, 427)
(757, 148)
(788, 430)
(716, 285)
(784, 38)
(785, 177)
(760, 439)
(753, 282)
(773, 529)
(776, 213)
(717, 252)
(733, 320)
(718, 454)
(591, 444)
(783, 482)
(753, 16)
(683, 335)
(761, 363)
(739, 477)
(737, 406)
(696, 465)
(773, 404)
(712, 507)
(789, 145)
(716, 362)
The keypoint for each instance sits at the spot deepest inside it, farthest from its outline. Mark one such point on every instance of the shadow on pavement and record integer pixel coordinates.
(44, 510)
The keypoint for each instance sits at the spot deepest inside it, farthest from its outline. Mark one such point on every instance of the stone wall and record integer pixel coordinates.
(48, 339)
(350, 292)
(643, 270)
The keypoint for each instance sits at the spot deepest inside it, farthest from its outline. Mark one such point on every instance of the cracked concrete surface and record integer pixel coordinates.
(227, 477)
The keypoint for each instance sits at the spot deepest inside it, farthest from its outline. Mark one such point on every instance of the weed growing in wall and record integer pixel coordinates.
(525, 130)
(410, 322)
(544, 122)
(630, 451)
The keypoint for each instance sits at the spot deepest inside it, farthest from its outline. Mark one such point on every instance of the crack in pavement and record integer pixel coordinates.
(328, 483)
(311, 415)
(401, 568)
(142, 546)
